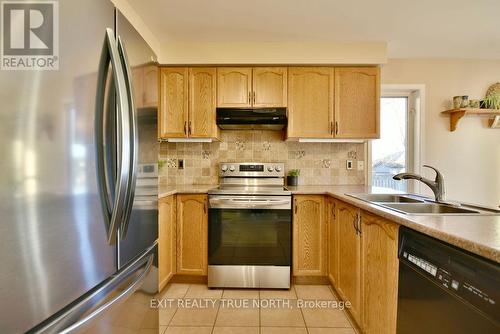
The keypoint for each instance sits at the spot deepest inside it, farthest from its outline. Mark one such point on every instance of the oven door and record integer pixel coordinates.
(250, 230)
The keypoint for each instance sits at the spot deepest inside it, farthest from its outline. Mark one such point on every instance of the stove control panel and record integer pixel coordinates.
(252, 169)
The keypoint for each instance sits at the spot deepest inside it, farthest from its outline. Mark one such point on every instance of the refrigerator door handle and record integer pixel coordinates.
(85, 307)
(132, 141)
(113, 212)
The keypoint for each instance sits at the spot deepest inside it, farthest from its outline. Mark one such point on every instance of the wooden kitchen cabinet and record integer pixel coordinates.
(173, 111)
(150, 86)
(333, 240)
(357, 102)
(192, 234)
(245, 87)
(202, 102)
(188, 102)
(234, 87)
(145, 84)
(379, 263)
(349, 244)
(310, 102)
(269, 87)
(309, 235)
(166, 240)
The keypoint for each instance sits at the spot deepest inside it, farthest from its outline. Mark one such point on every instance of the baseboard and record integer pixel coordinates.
(192, 279)
(310, 280)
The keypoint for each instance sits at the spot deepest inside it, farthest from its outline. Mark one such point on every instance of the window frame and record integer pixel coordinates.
(415, 140)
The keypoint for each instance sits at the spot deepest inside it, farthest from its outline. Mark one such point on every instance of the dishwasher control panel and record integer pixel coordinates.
(421, 263)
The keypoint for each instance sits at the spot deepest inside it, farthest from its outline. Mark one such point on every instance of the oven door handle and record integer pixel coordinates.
(252, 204)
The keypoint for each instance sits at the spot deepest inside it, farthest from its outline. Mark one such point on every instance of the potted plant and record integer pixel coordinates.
(491, 102)
(293, 177)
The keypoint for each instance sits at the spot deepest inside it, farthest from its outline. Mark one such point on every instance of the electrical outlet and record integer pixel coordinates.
(348, 164)
(180, 164)
(361, 165)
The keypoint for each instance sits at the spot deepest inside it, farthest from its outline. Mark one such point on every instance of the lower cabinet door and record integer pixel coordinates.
(166, 240)
(349, 244)
(192, 234)
(333, 239)
(379, 248)
(309, 235)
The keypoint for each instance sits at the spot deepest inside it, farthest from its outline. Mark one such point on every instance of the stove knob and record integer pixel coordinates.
(232, 168)
(270, 169)
(223, 168)
(277, 168)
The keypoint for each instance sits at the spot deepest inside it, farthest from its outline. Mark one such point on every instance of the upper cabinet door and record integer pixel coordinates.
(202, 102)
(138, 84)
(310, 102)
(234, 87)
(357, 102)
(150, 86)
(269, 87)
(173, 114)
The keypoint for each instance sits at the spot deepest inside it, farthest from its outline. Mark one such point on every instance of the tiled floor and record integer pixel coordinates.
(228, 311)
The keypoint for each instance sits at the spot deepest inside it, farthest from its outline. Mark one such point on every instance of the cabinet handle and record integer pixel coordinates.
(185, 128)
(359, 223)
(336, 127)
(333, 211)
(295, 206)
(331, 128)
(189, 128)
(254, 97)
(249, 97)
(354, 223)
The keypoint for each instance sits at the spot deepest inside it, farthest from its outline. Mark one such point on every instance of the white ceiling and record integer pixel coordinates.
(412, 28)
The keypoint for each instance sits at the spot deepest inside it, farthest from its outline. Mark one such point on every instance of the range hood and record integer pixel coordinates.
(251, 119)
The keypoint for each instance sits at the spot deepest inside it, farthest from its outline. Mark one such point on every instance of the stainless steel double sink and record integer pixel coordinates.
(417, 205)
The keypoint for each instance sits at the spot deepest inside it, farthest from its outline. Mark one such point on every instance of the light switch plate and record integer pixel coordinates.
(348, 164)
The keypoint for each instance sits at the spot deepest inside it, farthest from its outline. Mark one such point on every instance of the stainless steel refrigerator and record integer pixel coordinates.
(78, 231)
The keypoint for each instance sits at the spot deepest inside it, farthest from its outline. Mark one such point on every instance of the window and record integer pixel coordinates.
(390, 153)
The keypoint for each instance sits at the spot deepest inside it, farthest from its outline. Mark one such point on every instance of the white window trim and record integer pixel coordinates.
(415, 92)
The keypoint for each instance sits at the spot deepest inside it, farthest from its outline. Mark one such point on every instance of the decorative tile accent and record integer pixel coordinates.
(240, 145)
(171, 163)
(300, 154)
(320, 163)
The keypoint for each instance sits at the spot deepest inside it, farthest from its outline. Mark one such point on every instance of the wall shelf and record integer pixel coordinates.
(457, 114)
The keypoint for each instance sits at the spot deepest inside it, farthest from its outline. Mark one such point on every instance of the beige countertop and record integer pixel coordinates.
(477, 234)
(167, 190)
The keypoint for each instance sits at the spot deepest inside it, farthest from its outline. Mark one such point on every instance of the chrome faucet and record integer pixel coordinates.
(437, 186)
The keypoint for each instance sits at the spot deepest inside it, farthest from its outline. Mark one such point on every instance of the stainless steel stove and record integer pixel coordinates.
(250, 227)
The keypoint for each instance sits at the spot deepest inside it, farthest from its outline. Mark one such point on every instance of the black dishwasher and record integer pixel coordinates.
(443, 289)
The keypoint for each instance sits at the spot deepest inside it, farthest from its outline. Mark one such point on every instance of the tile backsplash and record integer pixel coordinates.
(319, 163)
